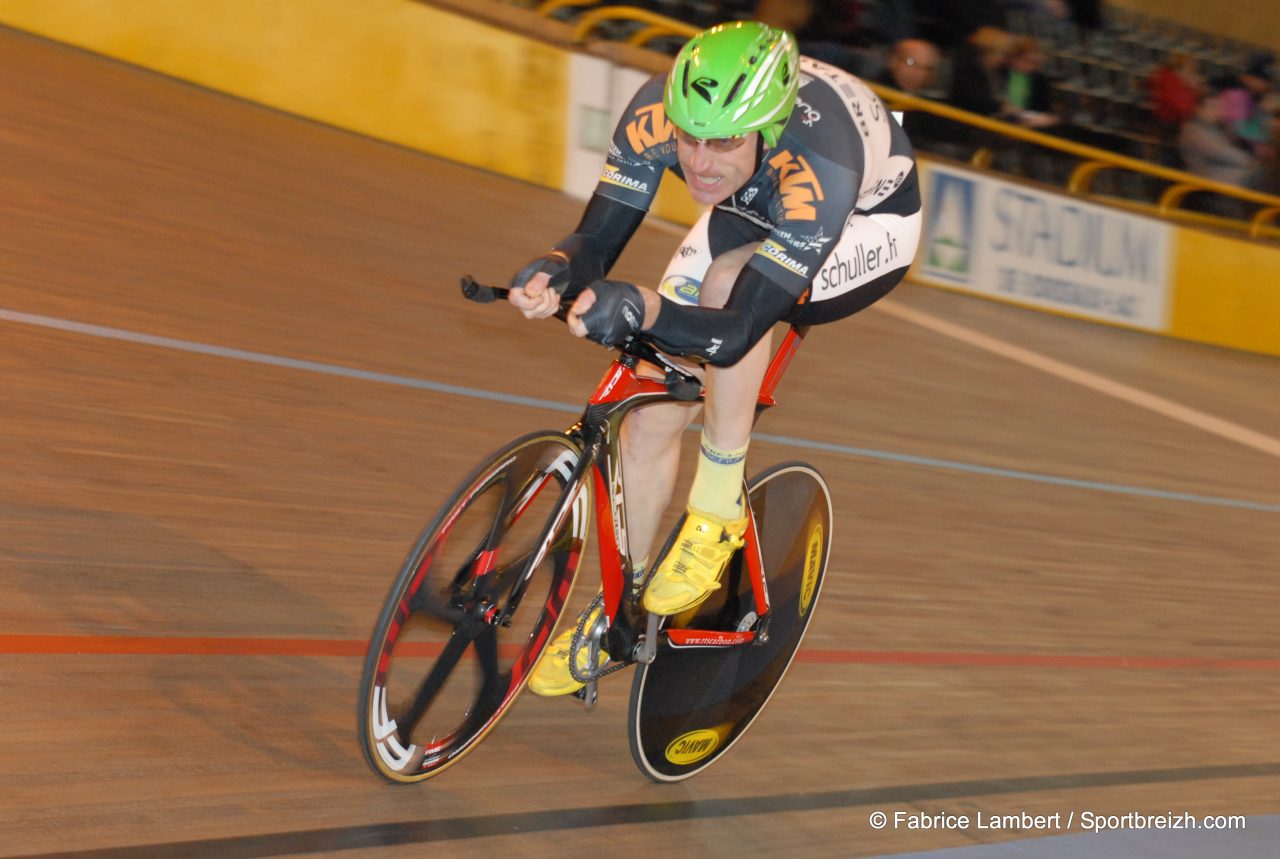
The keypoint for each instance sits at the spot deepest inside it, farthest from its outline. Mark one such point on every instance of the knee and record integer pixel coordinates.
(649, 431)
(722, 274)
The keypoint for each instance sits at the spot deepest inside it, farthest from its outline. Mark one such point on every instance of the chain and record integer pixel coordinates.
(579, 641)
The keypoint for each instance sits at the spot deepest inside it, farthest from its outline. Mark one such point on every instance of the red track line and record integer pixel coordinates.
(127, 645)
(123, 645)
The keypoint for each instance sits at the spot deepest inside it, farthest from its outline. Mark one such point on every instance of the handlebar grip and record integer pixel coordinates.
(475, 291)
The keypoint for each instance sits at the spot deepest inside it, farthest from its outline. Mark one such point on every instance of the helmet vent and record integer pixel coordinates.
(733, 91)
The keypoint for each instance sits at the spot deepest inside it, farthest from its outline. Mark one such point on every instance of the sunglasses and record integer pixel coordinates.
(715, 144)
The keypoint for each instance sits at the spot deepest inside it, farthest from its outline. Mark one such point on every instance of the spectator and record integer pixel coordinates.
(1028, 94)
(978, 71)
(1175, 89)
(1209, 151)
(1247, 104)
(911, 66)
(910, 69)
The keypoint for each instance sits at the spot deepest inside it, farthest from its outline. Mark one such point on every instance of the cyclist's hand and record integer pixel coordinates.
(536, 299)
(609, 311)
(536, 288)
(581, 305)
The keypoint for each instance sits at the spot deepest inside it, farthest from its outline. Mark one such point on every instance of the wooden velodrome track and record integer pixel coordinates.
(1047, 594)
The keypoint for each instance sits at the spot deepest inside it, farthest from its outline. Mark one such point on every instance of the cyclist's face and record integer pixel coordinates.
(714, 169)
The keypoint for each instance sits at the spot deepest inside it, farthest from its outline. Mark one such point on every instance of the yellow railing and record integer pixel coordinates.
(1093, 159)
(549, 6)
(659, 25)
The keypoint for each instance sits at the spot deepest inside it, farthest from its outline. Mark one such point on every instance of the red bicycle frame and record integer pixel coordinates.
(620, 390)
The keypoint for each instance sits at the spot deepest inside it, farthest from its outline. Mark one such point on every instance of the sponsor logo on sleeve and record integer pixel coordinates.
(649, 127)
(798, 185)
(612, 176)
(771, 250)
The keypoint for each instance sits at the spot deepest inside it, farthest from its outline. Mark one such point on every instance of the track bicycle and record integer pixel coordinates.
(480, 594)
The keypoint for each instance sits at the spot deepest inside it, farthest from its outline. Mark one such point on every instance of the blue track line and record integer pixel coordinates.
(534, 402)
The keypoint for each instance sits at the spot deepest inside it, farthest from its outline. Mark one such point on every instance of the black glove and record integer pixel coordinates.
(553, 264)
(617, 313)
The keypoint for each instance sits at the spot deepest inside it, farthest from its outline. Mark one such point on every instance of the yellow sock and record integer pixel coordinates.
(717, 483)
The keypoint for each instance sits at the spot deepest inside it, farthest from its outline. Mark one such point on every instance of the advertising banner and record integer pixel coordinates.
(1021, 244)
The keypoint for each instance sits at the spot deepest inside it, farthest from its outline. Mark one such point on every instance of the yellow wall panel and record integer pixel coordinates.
(1226, 292)
(392, 69)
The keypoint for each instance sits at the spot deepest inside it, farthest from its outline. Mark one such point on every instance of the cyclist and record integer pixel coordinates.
(813, 213)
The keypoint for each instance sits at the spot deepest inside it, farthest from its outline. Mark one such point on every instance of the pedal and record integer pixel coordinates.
(589, 695)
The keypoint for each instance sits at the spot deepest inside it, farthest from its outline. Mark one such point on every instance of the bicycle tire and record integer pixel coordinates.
(691, 705)
(441, 615)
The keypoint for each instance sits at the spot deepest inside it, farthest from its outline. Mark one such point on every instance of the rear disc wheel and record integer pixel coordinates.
(692, 703)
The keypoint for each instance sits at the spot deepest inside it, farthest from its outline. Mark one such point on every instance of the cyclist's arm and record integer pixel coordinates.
(602, 234)
(722, 337)
(642, 149)
(577, 260)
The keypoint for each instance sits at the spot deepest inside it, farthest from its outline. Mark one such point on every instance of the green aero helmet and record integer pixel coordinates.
(734, 79)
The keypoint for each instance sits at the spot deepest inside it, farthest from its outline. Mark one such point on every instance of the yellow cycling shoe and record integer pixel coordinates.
(551, 675)
(691, 570)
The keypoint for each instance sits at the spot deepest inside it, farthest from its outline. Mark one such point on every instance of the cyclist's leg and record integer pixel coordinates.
(729, 409)
(651, 464)
(702, 271)
(716, 511)
(732, 391)
(651, 435)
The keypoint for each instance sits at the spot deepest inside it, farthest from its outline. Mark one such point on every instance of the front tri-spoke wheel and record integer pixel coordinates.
(473, 608)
